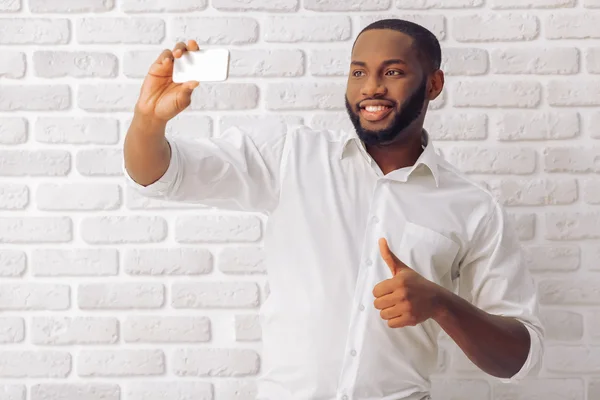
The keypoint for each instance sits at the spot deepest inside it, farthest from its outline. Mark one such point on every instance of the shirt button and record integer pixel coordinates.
(353, 353)
(374, 220)
(369, 262)
(361, 307)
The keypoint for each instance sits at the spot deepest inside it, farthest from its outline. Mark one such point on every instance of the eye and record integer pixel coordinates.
(394, 72)
(357, 73)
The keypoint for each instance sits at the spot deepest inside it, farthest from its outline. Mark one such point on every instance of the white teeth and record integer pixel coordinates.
(375, 108)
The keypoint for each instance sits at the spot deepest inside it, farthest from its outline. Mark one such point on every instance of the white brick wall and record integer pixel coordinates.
(106, 295)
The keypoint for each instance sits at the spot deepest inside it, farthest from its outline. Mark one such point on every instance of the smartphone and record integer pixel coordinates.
(204, 65)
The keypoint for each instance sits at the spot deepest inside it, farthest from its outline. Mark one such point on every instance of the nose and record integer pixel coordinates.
(373, 87)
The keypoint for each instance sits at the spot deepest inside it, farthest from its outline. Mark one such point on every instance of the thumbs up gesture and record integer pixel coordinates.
(406, 299)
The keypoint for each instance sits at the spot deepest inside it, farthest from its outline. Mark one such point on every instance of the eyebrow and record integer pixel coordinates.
(385, 63)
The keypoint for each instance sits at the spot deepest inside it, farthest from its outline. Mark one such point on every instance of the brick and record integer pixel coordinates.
(12, 64)
(120, 363)
(570, 25)
(553, 258)
(228, 96)
(266, 63)
(331, 120)
(34, 364)
(100, 162)
(258, 124)
(569, 291)
(13, 392)
(13, 196)
(572, 226)
(592, 126)
(439, 102)
(5, 6)
(157, 6)
(433, 22)
(542, 388)
(427, 4)
(591, 191)
(461, 389)
(80, 64)
(305, 96)
(71, 6)
(74, 330)
(484, 160)
(136, 63)
(456, 126)
(537, 125)
(592, 60)
(592, 324)
(12, 330)
(179, 390)
(534, 192)
(42, 31)
(13, 263)
(349, 5)
(247, 328)
(108, 97)
(192, 295)
(504, 4)
(82, 130)
(574, 93)
(293, 29)
(540, 61)
(113, 30)
(120, 296)
(573, 359)
(519, 94)
(464, 61)
(255, 5)
(524, 225)
(75, 391)
(74, 262)
(495, 27)
(562, 325)
(35, 163)
(242, 389)
(215, 30)
(330, 62)
(13, 130)
(36, 230)
(160, 329)
(35, 97)
(176, 262)
(186, 126)
(123, 229)
(34, 296)
(217, 229)
(571, 159)
(242, 260)
(215, 362)
(137, 201)
(78, 196)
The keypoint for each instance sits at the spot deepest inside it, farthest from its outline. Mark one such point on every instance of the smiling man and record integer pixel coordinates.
(374, 243)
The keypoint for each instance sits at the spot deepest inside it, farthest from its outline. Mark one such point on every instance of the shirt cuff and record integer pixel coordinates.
(165, 183)
(533, 362)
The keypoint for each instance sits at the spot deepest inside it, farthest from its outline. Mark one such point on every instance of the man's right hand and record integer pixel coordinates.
(160, 98)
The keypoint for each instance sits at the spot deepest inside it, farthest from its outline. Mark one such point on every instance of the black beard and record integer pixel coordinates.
(407, 115)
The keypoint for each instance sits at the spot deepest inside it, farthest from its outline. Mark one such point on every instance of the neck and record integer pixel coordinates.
(398, 155)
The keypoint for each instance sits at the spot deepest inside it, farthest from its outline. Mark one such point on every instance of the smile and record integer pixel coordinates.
(375, 113)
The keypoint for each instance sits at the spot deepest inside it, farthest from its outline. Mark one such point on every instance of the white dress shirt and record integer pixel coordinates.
(328, 204)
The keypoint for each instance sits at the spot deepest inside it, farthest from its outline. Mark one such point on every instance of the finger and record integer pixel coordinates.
(166, 54)
(179, 49)
(391, 312)
(184, 94)
(192, 45)
(383, 288)
(393, 262)
(390, 300)
(402, 321)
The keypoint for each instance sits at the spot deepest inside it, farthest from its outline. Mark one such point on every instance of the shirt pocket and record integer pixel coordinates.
(429, 253)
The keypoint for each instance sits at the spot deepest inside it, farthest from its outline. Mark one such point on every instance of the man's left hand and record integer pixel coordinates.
(406, 299)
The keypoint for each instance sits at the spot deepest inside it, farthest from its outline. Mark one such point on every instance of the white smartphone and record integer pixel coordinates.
(204, 65)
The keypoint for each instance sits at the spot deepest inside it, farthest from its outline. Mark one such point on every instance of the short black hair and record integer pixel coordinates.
(424, 41)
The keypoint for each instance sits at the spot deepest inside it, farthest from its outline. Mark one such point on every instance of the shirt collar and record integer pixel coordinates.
(428, 157)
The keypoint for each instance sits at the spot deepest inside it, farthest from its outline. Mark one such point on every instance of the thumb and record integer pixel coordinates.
(390, 258)
(184, 94)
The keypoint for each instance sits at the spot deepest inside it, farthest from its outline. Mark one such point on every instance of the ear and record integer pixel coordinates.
(436, 84)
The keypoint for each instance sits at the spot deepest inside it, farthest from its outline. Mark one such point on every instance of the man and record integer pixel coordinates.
(374, 243)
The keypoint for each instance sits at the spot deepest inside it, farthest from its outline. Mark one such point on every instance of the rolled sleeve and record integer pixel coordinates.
(497, 280)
